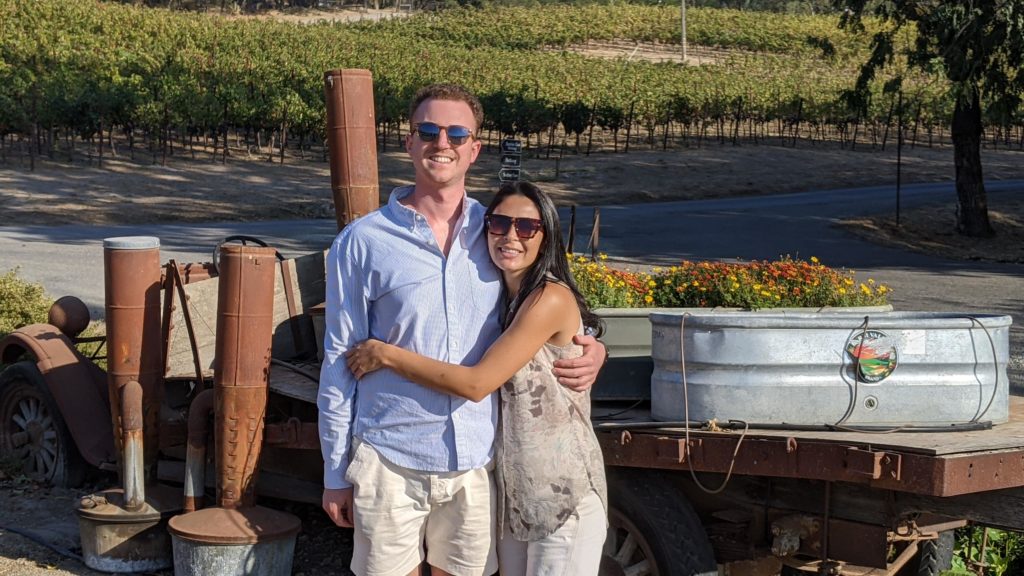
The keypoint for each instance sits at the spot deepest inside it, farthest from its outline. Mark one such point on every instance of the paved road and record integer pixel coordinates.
(657, 233)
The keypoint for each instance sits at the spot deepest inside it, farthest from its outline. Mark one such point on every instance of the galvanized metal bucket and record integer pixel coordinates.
(252, 541)
(890, 369)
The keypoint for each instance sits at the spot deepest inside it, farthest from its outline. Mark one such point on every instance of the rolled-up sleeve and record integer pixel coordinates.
(346, 323)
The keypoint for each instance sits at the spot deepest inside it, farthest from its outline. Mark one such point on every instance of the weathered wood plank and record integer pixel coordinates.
(1008, 436)
(307, 275)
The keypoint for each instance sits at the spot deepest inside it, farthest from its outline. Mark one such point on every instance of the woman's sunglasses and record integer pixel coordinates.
(457, 135)
(526, 228)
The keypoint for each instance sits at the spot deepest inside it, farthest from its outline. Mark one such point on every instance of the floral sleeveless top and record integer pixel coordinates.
(548, 457)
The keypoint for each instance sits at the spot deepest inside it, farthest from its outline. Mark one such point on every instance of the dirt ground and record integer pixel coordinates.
(249, 188)
(125, 191)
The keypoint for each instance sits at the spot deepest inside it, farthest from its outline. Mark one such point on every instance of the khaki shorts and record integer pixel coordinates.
(398, 510)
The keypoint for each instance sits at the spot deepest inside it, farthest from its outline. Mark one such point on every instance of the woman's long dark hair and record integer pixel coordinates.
(551, 258)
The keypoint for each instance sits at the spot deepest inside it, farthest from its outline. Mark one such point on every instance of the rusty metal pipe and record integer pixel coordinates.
(195, 456)
(132, 304)
(132, 448)
(245, 302)
(351, 143)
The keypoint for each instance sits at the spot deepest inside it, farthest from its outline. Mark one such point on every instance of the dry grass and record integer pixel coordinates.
(932, 230)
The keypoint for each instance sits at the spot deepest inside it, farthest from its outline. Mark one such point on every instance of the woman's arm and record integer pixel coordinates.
(548, 313)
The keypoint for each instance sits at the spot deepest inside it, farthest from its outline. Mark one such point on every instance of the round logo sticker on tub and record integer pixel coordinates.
(875, 355)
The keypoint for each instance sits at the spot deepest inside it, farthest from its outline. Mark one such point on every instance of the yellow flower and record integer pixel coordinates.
(765, 293)
(667, 282)
(695, 283)
(652, 283)
(648, 298)
(602, 256)
(777, 297)
(871, 280)
(848, 282)
(864, 288)
(757, 286)
(842, 290)
(735, 285)
(814, 259)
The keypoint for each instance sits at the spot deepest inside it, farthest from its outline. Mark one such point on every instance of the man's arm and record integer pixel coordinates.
(579, 374)
(346, 322)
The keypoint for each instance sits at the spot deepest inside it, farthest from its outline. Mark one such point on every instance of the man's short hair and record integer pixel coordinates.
(449, 92)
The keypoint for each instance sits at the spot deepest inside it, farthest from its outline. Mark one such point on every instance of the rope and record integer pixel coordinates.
(686, 418)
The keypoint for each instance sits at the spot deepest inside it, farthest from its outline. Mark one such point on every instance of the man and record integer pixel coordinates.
(404, 465)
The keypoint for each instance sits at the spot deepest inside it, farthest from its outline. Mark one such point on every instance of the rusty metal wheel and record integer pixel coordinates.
(33, 437)
(653, 530)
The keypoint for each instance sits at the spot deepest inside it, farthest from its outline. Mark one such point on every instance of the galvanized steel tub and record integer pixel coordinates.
(887, 369)
(627, 336)
(251, 541)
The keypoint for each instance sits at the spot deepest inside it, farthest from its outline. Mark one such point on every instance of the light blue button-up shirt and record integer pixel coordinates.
(388, 279)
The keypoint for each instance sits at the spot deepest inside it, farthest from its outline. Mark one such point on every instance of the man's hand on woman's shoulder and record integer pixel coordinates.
(579, 374)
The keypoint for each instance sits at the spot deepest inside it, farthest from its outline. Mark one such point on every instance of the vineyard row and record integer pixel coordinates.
(82, 69)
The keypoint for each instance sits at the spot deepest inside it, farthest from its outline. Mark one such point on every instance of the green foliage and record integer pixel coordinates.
(784, 283)
(80, 66)
(977, 46)
(1004, 552)
(21, 302)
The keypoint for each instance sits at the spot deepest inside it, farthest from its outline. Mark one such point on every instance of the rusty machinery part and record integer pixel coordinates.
(77, 389)
(234, 526)
(199, 413)
(652, 527)
(244, 328)
(352, 143)
(70, 315)
(115, 539)
(175, 287)
(131, 420)
(33, 434)
(132, 274)
(244, 241)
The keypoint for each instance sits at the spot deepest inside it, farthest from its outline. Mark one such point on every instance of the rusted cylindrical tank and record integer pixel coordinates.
(237, 537)
(245, 325)
(352, 143)
(131, 268)
(123, 529)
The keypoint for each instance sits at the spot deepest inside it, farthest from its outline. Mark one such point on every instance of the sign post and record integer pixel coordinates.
(511, 160)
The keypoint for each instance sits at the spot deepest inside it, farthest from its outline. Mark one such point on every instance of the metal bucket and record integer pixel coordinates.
(117, 540)
(889, 369)
(252, 541)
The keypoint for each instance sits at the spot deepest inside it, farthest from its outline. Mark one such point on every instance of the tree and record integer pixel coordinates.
(979, 46)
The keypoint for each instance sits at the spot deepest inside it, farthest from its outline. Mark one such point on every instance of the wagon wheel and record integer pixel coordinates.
(244, 241)
(34, 440)
(653, 530)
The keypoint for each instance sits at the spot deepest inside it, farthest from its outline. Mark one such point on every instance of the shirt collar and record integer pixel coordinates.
(407, 216)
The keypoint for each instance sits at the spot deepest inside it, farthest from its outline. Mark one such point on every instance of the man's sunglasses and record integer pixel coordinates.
(429, 132)
(526, 228)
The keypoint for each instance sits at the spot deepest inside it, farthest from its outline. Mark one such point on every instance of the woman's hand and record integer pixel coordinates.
(367, 356)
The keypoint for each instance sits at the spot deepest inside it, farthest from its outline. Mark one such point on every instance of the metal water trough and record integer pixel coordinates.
(888, 369)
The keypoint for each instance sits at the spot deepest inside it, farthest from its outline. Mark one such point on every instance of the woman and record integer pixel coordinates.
(550, 474)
